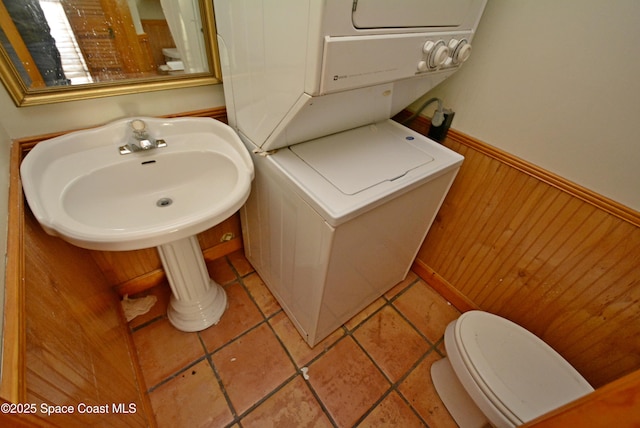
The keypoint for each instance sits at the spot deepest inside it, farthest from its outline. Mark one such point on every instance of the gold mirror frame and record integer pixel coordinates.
(23, 96)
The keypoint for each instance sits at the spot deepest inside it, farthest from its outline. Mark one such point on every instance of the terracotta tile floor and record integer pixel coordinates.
(247, 370)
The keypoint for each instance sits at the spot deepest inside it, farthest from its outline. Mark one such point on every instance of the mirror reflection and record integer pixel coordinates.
(57, 43)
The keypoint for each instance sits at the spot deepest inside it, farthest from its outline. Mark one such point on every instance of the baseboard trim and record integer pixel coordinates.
(12, 387)
(443, 287)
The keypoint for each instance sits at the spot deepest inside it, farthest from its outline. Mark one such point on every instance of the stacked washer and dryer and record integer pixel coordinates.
(343, 196)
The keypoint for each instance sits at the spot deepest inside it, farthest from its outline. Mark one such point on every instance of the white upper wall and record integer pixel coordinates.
(557, 83)
(20, 122)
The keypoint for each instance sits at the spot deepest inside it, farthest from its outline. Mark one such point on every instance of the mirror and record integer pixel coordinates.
(62, 50)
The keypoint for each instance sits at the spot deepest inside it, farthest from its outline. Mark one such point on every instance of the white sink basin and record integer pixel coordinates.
(83, 190)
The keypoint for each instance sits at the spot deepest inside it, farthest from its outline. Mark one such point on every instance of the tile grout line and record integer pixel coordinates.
(176, 374)
(349, 333)
(297, 370)
(393, 386)
(208, 355)
(147, 323)
(237, 418)
(234, 412)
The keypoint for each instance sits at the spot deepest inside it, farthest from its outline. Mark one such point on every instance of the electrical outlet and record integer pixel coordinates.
(439, 133)
(227, 237)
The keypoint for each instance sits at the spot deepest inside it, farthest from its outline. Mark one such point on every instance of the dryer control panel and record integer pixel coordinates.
(356, 61)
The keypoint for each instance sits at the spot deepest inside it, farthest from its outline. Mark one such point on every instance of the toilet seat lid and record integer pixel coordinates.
(514, 368)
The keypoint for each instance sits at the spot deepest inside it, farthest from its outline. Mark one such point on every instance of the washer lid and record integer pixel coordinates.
(362, 158)
(515, 368)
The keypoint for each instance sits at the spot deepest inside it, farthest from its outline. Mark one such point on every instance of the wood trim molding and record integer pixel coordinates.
(27, 143)
(140, 283)
(615, 404)
(612, 207)
(12, 386)
(218, 113)
(222, 249)
(421, 124)
(443, 287)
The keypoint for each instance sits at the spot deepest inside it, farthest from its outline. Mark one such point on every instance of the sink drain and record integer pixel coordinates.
(164, 202)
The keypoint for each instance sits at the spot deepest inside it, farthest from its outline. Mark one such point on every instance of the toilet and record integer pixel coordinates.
(499, 373)
(174, 64)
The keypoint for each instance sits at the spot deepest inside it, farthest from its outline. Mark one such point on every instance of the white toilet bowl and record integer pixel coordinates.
(498, 372)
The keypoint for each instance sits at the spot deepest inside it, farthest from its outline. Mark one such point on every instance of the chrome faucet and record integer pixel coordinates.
(141, 139)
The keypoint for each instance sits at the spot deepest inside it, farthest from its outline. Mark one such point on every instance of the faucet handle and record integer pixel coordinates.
(138, 125)
(141, 140)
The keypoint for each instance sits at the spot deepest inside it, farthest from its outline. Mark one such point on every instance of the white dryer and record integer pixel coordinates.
(343, 196)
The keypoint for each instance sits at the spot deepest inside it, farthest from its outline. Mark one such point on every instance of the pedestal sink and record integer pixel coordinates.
(110, 189)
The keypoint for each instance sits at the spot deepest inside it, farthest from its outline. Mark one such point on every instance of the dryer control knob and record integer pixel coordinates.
(428, 47)
(460, 50)
(422, 66)
(437, 53)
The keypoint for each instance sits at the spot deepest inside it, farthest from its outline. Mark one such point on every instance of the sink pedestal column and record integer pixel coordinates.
(197, 301)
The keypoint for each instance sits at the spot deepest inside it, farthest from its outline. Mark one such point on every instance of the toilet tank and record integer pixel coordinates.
(294, 70)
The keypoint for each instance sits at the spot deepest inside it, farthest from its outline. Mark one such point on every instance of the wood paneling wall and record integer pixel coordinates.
(555, 258)
(78, 348)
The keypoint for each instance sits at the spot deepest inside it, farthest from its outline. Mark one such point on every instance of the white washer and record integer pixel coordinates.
(333, 223)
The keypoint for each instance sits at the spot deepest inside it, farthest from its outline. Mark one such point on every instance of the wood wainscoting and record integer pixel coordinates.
(510, 239)
(520, 242)
(65, 340)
